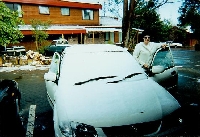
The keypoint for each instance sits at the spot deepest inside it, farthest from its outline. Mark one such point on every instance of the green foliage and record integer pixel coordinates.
(190, 16)
(39, 31)
(9, 22)
(148, 19)
(43, 47)
(110, 42)
(144, 16)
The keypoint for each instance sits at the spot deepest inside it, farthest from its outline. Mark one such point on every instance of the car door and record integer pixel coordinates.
(163, 69)
(51, 77)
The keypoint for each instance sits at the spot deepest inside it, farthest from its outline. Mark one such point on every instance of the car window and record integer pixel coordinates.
(54, 67)
(163, 57)
(53, 42)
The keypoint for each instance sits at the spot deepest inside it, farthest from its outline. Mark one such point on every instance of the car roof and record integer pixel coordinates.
(81, 48)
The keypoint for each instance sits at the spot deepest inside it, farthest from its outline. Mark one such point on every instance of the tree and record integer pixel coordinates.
(190, 16)
(39, 31)
(9, 22)
(141, 14)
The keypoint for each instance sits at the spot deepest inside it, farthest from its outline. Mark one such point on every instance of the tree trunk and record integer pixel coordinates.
(36, 43)
(128, 17)
(124, 21)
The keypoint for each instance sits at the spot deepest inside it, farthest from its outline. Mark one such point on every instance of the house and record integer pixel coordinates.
(78, 22)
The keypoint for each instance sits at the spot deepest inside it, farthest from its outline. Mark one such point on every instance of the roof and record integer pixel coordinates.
(110, 21)
(55, 29)
(102, 29)
(84, 1)
(58, 3)
(63, 29)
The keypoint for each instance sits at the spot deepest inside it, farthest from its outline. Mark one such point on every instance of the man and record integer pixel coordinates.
(144, 51)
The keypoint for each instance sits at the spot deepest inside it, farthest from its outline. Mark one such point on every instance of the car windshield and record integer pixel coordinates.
(81, 68)
(163, 57)
(59, 41)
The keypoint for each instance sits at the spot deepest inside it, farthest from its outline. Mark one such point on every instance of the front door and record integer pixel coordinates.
(168, 77)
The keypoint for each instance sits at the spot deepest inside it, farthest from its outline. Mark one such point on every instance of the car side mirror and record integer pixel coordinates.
(50, 76)
(157, 69)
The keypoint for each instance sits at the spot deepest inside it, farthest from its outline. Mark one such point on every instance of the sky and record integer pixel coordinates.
(169, 11)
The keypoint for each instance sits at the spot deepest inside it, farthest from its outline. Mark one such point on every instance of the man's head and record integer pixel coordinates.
(146, 39)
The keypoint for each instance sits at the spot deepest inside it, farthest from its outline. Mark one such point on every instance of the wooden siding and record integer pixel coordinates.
(75, 17)
(57, 3)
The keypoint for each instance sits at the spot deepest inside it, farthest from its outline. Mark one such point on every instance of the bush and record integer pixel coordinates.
(42, 49)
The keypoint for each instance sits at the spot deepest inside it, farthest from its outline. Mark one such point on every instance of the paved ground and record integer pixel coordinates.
(32, 87)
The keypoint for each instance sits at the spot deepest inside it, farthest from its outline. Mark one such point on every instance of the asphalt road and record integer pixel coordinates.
(187, 61)
(32, 86)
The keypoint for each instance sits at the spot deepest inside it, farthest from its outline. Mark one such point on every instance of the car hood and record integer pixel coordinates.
(114, 104)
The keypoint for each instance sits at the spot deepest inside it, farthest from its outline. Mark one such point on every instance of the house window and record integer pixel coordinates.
(96, 35)
(15, 7)
(64, 11)
(88, 14)
(43, 10)
(107, 36)
(19, 9)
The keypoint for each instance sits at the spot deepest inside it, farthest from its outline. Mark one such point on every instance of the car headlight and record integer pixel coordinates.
(77, 129)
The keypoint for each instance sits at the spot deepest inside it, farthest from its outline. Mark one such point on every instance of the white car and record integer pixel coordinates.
(100, 90)
(176, 45)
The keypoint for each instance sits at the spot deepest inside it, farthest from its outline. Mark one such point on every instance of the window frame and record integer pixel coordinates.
(107, 36)
(64, 11)
(88, 14)
(96, 35)
(15, 7)
(44, 10)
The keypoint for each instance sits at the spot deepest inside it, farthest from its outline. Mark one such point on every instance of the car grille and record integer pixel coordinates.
(132, 130)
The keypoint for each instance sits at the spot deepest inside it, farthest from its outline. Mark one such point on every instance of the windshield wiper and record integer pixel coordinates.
(94, 79)
(129, 76)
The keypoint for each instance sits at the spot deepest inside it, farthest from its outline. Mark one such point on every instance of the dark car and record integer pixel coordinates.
(10, 123)
(13, 51)
(56, 46)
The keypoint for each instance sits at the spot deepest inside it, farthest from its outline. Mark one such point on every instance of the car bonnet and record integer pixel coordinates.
(114, 104)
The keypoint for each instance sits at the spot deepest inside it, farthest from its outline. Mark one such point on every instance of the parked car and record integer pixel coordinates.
(13, 51)
(176, 45)
(56, 46)
(163, 70)
(100, 89)
(10, 97)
